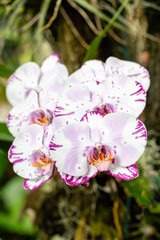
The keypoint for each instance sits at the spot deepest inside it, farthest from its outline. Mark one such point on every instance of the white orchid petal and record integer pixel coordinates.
(93, 70)
(75, 98)
(134, 71)
(31, 184)
(18, 116)
(50, 62)
(24, 79)
(69, 148)
(126, 134)
(126, 95)
(54, 76)
(75, 181)
(124, 173)
(28, 140)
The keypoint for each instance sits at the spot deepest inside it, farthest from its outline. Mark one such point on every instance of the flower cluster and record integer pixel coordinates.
(81, 124)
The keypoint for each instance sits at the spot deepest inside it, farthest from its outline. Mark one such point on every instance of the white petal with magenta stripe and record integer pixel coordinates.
(69, 148)
(126, 134)
(75, 181)
(125, 94)
(32, 184)
(124, 173)
(28, 140)
(115, 66)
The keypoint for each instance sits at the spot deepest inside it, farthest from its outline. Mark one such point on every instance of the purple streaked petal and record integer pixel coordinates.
(126, 134)
(22, 81)
(28, 140)
(31, 184)
(74, 98)
(69, 148)
(75, 181)
(126, 95)
(48, 134)
(115, 67)
(18, 116)
(124, 173)
(94, 120)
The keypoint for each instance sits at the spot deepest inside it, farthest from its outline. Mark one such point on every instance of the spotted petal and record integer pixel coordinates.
(126, 134)
(123, 93)
(116, 67)
(75, 181)
(28, 140)
(18, 116)
(76, 98)
(124, 173)
(22, 81)
(31, 184)
(93, 70)
(69, 149)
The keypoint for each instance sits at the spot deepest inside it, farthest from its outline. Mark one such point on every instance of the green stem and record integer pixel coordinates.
(97, 40)
(43, 12)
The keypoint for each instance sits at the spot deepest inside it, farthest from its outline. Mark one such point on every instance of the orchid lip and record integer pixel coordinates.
(40, 117)
(41, 161)
(105, 108)
(101, 157)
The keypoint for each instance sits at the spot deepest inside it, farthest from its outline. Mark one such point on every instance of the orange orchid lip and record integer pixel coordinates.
(105, 108)
(100, 156)
(42, 161)
(40, 117)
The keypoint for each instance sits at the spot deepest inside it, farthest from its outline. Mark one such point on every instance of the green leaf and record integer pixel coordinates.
(96, 42)
(156, 209)
(14, 220)
(3, 163)
(13, 191)
(5, 72)
(5, 134)
(138, 188)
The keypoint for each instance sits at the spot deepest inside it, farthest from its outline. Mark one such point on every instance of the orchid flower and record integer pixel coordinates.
(35, 100)
(30, 157)
(30, 112)
(113, 94)
(50, 77)
(111, 143)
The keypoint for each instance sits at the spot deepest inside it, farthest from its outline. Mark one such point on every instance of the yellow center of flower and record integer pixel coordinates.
(39, 159)
(100, 157)
(44, 121)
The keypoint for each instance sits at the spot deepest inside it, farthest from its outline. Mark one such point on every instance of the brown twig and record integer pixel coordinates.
(73, 28)
(55, 12)
(30, 23)
(116, 37)
(85, 16)
(116, 218)
(97, 18)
